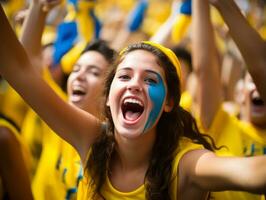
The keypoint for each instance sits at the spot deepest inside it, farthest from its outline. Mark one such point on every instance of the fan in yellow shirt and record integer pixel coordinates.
(14, 163)
(109, 192)
(240, 138)
(58, 158)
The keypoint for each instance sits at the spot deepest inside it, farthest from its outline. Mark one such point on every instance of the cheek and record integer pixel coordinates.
(69, 83)
(157, 95)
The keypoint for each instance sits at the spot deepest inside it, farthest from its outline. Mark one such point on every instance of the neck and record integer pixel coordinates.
(134, 153)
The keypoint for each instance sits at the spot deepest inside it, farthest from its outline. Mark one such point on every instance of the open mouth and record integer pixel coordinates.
(132, 109)
(78, 92)
(256, 99)
(77, 95)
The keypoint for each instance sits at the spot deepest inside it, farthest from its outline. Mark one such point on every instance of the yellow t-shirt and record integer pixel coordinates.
(110, 193)
(25, 151)
(241, 139)
(32, 127)
(13, 106)
(186, 101)
(59, 168)
(62, 164)
(24, 148)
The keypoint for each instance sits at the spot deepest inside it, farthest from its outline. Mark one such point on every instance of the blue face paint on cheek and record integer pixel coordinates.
(157, 94)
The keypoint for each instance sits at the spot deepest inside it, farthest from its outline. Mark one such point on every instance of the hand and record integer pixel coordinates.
(47, 5)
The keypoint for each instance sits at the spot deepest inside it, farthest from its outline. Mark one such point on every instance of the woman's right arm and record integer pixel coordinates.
(74, 125)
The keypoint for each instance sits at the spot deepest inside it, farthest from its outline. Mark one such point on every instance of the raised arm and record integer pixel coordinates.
(33, 28)
(205, 63)
(74, 125)
(249, 42)
(209, 172)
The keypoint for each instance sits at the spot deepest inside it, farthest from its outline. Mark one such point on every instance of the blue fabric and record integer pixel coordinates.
(97, 24)
(74, 2)
(137, 15)
(186, 8)
(67, 33)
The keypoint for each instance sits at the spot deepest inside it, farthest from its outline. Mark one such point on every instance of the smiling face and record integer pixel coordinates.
(85, 83)
(255, 107)
(137, 94)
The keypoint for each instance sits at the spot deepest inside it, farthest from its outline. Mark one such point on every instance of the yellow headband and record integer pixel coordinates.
(168, 52)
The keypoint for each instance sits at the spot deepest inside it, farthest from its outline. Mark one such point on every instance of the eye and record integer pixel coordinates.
(151, 81)
(124, 77)
(76, 68)
(95, 72)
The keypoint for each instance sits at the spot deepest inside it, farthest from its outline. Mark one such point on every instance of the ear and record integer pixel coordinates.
(168, 105)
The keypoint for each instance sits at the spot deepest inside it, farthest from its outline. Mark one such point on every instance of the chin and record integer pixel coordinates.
(129, 133)
(259, 122)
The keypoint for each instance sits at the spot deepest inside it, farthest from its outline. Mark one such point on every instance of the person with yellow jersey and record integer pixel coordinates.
(241, 138)
(58, 158)
(140, 134)
(14, 162)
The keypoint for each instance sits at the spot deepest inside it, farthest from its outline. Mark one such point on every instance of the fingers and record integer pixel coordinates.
(49, 4)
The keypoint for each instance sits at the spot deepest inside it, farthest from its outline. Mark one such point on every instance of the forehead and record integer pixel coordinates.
(140, 59)
(92, 58)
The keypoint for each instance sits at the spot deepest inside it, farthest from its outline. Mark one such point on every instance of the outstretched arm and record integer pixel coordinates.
(249, 42)
(205, 63)
(212, 173)
(74, 125)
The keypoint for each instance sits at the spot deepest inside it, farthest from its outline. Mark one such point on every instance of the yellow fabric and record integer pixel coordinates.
(262, 32)
(180, 27)
(58, 160)
(85, 21)
(32, 127)
(110, 193)
(13, 106)
(81, 15)
(24, 148)
(71, 57)
(156, 14)
(3, 89)
(168, 52)
(241, 139)
(186, 101)
(49, 35)
(86, 31)
(61, 162)
(12, 7)
(32, 133)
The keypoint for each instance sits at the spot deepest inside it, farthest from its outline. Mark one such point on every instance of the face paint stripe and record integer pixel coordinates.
(157, 94)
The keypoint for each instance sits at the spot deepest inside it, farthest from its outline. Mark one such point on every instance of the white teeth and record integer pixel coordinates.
(131, 100)
(78, 88)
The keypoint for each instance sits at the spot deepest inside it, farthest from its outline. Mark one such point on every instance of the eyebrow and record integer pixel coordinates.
(130, 69)
(153, 72)
(89, 66)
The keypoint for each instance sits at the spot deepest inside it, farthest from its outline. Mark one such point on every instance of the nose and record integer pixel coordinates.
(81, 75)
(134, 85)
